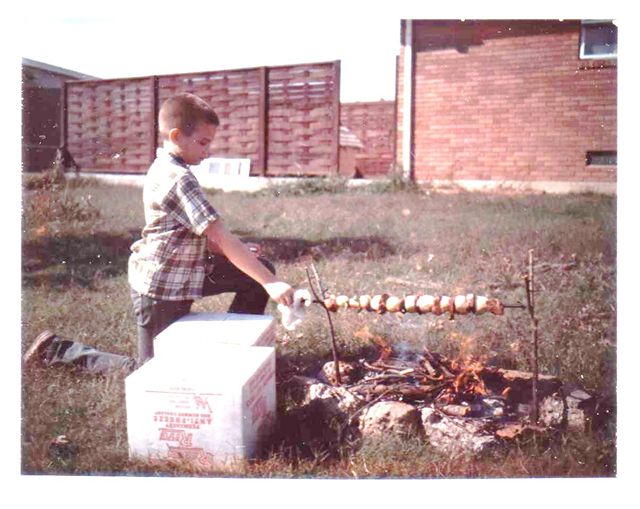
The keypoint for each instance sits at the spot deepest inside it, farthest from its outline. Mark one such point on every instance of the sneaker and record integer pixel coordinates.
(34, 353)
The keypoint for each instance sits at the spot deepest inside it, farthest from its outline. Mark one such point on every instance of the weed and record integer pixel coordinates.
(304, 186)
(394, 182)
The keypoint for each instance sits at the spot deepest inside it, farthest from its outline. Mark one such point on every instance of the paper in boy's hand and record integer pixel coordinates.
(292, 316)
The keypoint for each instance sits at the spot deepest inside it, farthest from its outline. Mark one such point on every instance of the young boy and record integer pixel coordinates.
(167, 266)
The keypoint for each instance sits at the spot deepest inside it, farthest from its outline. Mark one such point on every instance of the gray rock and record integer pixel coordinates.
(391, 417)
(347, 372)
(553, 411)
(456, 435)
(337, 401)
(492, 408)
(580, 410)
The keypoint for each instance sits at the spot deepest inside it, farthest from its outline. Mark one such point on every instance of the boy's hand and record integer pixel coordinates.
(281, 292)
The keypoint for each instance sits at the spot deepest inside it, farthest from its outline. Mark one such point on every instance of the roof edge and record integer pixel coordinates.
(53, 68)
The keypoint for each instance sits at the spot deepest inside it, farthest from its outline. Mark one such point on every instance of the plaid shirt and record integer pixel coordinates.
(168, 262)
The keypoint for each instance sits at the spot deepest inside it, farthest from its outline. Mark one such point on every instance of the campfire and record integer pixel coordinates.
(457, 404)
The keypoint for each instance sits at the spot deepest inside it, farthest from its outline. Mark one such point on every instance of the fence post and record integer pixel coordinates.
(263, 122)
(336, 120)
(153, 121)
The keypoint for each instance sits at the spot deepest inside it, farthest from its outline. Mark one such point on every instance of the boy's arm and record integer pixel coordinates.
(239, 254)
(215, 248)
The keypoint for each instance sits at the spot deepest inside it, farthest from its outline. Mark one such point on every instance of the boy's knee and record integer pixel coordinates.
(268, 265)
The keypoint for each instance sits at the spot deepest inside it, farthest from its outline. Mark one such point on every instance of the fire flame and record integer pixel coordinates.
(385, 348)
(457, 381)
(468, 382)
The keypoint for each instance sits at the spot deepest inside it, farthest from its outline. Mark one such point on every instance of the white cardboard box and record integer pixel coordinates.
(211, 411)
(197, 332)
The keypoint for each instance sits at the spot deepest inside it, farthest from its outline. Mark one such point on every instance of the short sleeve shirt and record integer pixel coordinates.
(168, 262)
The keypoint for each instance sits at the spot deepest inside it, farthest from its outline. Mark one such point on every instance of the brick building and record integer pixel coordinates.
(527, 103)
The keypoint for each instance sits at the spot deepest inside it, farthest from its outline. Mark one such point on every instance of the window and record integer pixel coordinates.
(598, 39)
(602, 158)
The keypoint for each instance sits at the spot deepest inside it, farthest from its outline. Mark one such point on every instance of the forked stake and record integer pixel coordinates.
(320, 298)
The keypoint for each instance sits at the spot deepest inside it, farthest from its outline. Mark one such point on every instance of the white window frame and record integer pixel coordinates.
(601, 56)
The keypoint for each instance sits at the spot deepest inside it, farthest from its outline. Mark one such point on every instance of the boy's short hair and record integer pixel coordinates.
(185, 111)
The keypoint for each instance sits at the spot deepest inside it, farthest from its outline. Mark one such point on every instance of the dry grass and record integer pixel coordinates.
(75, 249)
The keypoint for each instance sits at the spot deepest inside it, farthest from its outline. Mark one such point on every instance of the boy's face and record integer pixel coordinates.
(195, 147)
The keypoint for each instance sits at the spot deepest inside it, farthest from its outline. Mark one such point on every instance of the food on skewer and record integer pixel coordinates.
(484, 304)
(342, 301)
(464, 303)
(330, 303)
(447, 304)
(410, 303)
(424, 303)
(429, 304)
(481, 305)
(354, 303)
(394, 304)
(495, 306)
(435, 304)
(365, 302)
(378, 303)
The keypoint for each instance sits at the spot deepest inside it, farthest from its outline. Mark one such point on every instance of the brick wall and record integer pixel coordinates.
(505, 100)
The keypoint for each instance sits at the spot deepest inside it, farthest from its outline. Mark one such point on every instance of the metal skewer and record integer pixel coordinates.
(508, 306)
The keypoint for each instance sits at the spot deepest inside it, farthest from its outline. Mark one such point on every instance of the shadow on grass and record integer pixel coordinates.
(66, 260)
(287, 250)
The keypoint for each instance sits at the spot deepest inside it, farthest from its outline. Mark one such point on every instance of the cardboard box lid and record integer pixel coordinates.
(200, 331)
(221, 366)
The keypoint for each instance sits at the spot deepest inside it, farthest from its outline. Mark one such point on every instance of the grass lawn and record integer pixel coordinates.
(76, 239)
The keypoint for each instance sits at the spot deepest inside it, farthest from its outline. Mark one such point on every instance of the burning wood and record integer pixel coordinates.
(456, 387)
(421, 304)
(433, 379)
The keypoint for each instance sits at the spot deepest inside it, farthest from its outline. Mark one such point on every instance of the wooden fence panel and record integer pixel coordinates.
(303, 116)
(373, 123)
(108, 126)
